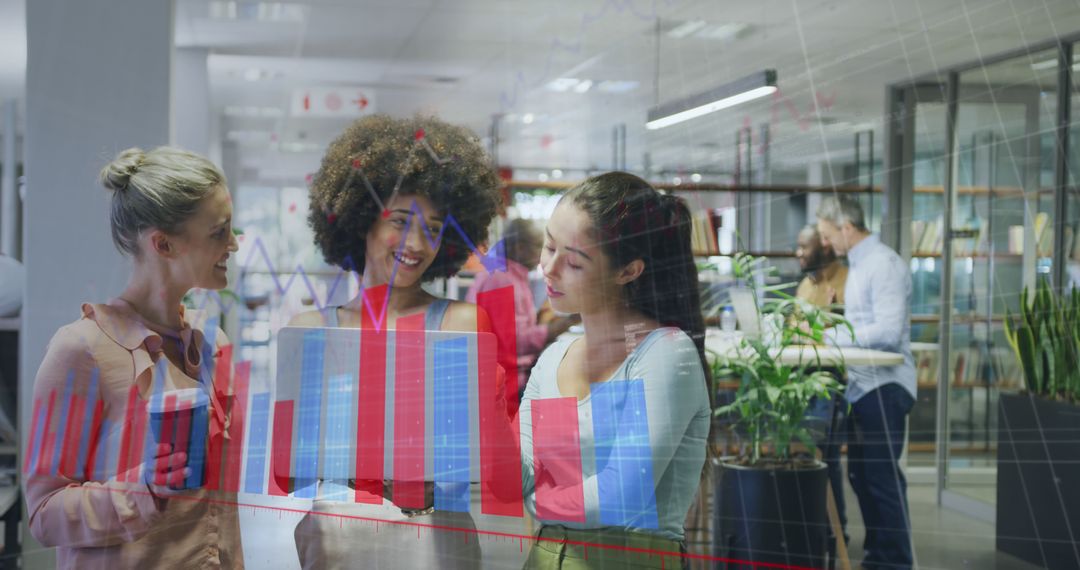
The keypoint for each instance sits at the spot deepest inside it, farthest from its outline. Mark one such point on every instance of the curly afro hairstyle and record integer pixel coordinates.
(391, 154)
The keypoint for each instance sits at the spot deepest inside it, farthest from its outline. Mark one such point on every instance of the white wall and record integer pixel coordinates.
(98, 77)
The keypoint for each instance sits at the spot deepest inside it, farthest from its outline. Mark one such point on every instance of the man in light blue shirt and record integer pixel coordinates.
(877, 299)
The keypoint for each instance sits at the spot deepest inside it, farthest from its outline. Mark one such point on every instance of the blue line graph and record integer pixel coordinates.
(494, 260)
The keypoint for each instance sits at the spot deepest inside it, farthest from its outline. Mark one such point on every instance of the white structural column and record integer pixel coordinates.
(97, 81)
(8, 198)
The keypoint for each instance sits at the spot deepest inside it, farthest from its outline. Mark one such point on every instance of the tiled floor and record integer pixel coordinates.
(943, 539)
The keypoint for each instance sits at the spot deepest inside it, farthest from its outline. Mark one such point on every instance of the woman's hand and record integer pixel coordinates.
(165, 473)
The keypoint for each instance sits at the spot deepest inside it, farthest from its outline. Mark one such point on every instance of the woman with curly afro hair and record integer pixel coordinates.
(386, 191)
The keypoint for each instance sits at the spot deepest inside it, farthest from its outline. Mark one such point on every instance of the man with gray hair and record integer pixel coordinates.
(878, 305)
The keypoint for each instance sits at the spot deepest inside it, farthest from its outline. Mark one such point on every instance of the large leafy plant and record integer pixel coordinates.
(773, 397)
(1046, 339)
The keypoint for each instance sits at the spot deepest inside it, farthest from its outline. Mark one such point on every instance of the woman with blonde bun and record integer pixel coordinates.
(171, 213)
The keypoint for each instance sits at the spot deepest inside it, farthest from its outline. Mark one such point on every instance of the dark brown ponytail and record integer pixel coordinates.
(634, 221)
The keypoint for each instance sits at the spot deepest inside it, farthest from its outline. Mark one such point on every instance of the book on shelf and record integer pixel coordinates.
(703, 232)
(1016, 240)
(1072, 244)
(1044, 241)
(927, 236)
(971, 366)
(1044, 237)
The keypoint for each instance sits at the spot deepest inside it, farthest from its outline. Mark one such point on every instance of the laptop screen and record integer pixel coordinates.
(368, 404)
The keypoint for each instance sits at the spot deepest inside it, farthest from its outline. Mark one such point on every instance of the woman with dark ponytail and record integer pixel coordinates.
(617, 252)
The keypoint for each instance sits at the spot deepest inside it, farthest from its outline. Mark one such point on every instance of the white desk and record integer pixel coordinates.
(725, 344)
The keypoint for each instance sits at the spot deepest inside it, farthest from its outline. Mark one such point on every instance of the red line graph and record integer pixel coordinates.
(477, 532)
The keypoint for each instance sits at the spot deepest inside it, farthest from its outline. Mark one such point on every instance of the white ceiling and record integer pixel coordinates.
(470, 60)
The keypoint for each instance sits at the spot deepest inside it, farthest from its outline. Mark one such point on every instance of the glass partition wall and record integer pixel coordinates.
(982, 163)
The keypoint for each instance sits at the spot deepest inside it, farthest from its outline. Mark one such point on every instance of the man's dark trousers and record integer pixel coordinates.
(876, 428)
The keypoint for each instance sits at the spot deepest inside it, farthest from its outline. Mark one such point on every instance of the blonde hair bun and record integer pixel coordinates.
(116, 176)
(160, 188)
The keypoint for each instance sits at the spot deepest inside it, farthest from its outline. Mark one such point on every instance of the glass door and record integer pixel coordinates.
(927, 159)
(999, 241)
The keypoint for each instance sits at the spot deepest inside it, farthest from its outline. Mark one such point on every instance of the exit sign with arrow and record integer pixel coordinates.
(333, 102)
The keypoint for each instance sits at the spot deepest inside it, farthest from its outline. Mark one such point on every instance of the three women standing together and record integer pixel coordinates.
(616, 252)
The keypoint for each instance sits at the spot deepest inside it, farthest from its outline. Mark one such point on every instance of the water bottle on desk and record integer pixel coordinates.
(727, 319)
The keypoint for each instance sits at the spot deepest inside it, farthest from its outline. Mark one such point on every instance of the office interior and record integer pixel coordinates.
(955, 123)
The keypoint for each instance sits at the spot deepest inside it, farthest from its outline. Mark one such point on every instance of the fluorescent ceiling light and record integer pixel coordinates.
(1051, 64)
(727, 31)
(701, 29)
(251, 11)
(686, 29)
(562, 84)
(583, 86)
(617, 86)
(739, 91)
(255, 74)
(252, 111)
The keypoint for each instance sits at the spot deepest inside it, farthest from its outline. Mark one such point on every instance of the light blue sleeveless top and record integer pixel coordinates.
(433, 315)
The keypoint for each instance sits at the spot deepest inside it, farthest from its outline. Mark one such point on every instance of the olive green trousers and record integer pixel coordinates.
(560, 547)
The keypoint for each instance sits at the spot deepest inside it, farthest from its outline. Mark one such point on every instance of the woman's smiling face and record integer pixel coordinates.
(577, 272)
(205, 242)
(398, 249)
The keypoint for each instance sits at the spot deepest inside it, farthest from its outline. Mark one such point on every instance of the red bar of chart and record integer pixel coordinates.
(125, 437)
(500, 463)
(281, 451)
(74, 428)
(371, 398)
(499, 306)
(409, 412)
(216, 447)
(238, 405)
(557, 460)
(168, 413)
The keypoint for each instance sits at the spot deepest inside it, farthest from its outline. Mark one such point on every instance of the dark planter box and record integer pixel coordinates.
(1038, 487)
(773, 516)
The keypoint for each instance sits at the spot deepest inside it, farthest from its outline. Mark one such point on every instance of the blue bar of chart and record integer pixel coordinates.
(310, 415)
(200, 422)
(625, 484)
(88, 422)
(258, 426)
(337, 444)
(106, 453)
(451, 429)
(62, 427)
(148, 438)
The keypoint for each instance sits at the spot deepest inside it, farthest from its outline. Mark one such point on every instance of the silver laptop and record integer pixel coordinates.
(428, 377)
(746, 311)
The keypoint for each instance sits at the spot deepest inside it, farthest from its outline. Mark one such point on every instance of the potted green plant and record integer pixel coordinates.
(770, 502)
(1038, 504)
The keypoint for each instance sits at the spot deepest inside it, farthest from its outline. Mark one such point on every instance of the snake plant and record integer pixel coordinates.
(1046, 339)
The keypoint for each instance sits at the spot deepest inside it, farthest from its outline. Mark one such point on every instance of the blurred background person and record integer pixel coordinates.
(823, 285)
(878, 306)
(824, 273)
(522, 241)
